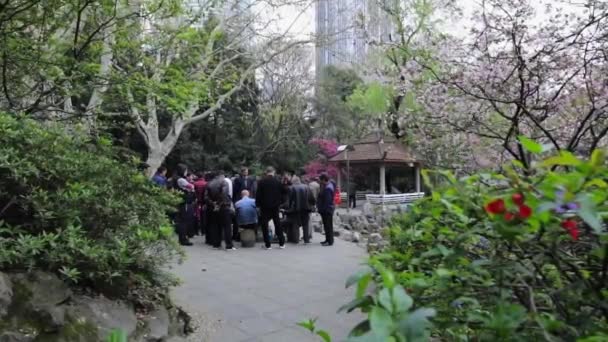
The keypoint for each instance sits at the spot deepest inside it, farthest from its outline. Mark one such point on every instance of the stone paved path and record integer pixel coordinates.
(258, 295)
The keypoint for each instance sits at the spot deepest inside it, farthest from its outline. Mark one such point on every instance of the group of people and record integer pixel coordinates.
(218, 206)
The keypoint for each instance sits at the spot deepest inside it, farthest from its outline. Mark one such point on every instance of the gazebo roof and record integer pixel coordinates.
(376, 147)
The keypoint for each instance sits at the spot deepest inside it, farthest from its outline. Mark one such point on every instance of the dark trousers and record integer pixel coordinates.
(305, 222)
(267, 215)
(220, 224)
(207, 226)
(185, 221)
(235, 229)
(328, 227)
(352, 201)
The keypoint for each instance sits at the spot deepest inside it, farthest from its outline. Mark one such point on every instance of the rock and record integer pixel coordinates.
(346, 235)
(247, 237)
(375, 238)
(346, 226)
(15, 337)
(356, 237)
(373, 227)
(40, 295)
(337, 233)
(157, 324)
(44, 289)
(6, 294)
(372, 247)
(337, 219)
(175, 339)
(104, 314)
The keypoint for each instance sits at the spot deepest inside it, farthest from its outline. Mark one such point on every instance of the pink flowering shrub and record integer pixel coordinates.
(326, 149)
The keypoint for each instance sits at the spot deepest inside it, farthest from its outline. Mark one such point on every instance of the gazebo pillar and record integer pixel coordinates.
(417, 176)
(382, 179)
(339, 180)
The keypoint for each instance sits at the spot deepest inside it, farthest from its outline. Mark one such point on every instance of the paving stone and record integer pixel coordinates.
(260, 295)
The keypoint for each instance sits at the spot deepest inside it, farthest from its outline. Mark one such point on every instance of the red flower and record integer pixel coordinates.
(569, 224)
(518, 199)
(497, 206)
(574, 234)
(509, 216)
(524, 211)
(572, 227)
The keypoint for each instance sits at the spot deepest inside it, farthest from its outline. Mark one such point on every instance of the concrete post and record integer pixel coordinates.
(382, 179)
(417, 173)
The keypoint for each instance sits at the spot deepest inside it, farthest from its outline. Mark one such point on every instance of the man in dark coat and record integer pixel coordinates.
(219, 210)
(268, 198)
(243, 182)
(301, 204)
(325, 207)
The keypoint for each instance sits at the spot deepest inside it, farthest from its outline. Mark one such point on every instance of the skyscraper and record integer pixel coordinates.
(347, 30)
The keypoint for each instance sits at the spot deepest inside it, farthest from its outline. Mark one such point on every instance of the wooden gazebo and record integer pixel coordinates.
(383, 153)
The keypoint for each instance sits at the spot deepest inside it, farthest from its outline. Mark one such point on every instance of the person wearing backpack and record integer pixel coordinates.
(219, 206)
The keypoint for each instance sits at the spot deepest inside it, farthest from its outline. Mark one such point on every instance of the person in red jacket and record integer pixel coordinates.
(200, 184)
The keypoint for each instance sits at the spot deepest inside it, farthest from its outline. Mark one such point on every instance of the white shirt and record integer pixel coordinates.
(229, 182)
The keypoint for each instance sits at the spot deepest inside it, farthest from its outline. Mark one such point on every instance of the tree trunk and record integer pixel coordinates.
(159, 150)
(156, 157)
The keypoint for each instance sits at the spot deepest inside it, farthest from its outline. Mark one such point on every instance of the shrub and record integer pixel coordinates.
(68, 205)
(389, 310)
(516, 257)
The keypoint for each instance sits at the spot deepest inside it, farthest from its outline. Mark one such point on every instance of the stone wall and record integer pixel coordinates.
(38, 306)
(366, 227)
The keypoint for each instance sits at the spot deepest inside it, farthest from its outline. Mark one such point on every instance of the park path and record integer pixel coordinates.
(257, 295)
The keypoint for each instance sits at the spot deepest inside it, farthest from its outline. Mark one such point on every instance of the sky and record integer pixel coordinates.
(303, 19)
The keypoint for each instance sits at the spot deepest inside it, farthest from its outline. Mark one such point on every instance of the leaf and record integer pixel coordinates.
(117, 336)
(588, 213)
(388, 277)
(362, 285)
(355, 277)
(381, 322)
(324, 335)
(598, 157)
(596, 182)
(564, 159)
(309, 324)
(401, 300)
(384, 298)
(530, 145)
(355, 303)
(416, 324)
(360, 329)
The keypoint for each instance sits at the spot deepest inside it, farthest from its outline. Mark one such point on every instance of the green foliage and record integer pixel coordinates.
(390, 311)
(311, 325)
(69, 206)
(118, 336)
(495, 270)
(372, 98)
(336, 117)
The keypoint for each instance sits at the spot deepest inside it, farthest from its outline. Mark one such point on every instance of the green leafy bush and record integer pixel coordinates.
(390, 311)
(70, 206)
(519, 256)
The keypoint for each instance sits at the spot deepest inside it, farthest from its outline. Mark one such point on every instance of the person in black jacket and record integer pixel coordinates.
(243, 182)
(325, 207)
(301, 204)
(269, 198)
(219, 211)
